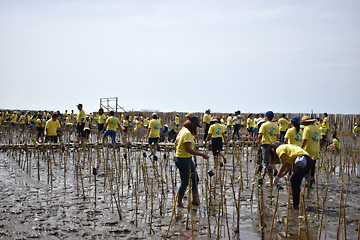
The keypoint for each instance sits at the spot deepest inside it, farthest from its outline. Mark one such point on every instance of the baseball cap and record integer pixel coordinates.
(195, 119)
(295, 119)
(269, 114)
(189, 114)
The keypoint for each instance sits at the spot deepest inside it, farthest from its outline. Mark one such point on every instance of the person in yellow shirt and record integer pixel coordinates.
(335, 147)
(294, 134)
(283, 126)
(146, 122)
(22, 121)
(184, 150)
(206, 122)
(356, 130)
(14, 118)
(154, 134)
(87, 128)
(268, 133)
(228, 125)
(217, 134)
(177, 121)
(249, 127)
(101, 122)
(311, 141)
(322, 131)
(80, 121)
(291, 155)
(139, 127)
(51, 127)
(111, 125)
(65, 114)
(125, 126)
(72, 115)
(327, 124)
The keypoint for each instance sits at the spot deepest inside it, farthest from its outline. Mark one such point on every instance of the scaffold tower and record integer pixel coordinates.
(110, 104)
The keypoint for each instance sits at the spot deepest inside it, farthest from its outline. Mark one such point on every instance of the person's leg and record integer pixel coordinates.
(266, 157)
(295, 180)
(194, 184)
(184, 169)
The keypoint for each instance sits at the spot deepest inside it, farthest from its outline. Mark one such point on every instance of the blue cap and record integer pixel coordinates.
(295, 119)
(194, 119)
(269, 114)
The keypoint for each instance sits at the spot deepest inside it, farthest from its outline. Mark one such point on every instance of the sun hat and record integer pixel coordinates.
(295, 119)
(307, 119)
(189, 114)
(195, 119)
(79, 105)
(269, 114)
(214, 119)
(154, 114)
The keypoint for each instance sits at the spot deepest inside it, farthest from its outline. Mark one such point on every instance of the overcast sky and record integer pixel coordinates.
(186, 55)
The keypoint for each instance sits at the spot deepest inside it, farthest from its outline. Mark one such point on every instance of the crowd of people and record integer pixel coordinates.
(293, 143)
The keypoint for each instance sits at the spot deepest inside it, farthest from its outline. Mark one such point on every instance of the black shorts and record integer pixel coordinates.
(250, 130)
(80, 129)
(216, 145)
(100, 127)
(53, 139)
(125, 129)
(86, 132)
(12, 124)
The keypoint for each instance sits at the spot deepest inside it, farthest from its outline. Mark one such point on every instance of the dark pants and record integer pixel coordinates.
(216, 145)
(185, 165)
(297, 177)
(236, 131)
(206, 131)
(282, 136)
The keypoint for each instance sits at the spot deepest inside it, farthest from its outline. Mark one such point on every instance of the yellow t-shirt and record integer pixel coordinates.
(1, 119)
(283, 124)
(125, 123)
(337, 144)
(255, 123)
(249, 123)
(72, 115)
(146, 122)
(229, 121)
(51, 127)
(14, 118)
(80, 116)
(270, 130)
(294, 137)
(356, 128)
(65, 114)
(177, 120)
(312, 146)
(155, 127)
(290, 152)
(216, 130)
(322, 131)
(22, 119)
(183, 137)
(326, 121)
(38, 122)
(101, 119)
(112, 123)
(207, 118)
(139, 124)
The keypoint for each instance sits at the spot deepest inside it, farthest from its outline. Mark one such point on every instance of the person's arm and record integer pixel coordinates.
(207, 138)
(190, 150)
(284, 168)
(286, 140)
(105, 126)
(223, 135)
(303, 143)
(260, 137)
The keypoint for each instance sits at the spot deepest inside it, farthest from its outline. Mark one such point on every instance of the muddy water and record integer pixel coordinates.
(135, 197)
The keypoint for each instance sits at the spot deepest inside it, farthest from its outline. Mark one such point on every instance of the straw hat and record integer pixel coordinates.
(308, 119)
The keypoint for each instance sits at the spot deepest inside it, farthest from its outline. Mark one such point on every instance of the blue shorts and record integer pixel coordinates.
(154, 140)
(256, 130)
(110, 133)
(139, 129)
(228, 127)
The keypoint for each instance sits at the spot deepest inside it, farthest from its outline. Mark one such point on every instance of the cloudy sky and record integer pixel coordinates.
(188, 55)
